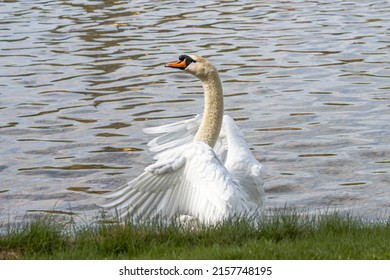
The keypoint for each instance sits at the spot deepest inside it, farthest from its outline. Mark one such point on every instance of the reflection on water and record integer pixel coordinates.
(307, 81)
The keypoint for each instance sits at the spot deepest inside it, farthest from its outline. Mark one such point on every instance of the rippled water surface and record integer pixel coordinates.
(307, 81)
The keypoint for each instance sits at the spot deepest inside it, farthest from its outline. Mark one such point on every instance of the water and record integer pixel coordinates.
(308, 82)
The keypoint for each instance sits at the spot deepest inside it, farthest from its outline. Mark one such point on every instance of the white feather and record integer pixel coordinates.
(191, 178)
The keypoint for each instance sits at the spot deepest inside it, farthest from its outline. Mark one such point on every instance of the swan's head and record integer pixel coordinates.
(195, 65)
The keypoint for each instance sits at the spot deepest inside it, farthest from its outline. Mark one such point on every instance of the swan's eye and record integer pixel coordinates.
(187, 58)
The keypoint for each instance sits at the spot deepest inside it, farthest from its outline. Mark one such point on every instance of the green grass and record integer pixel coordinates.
(278, 236)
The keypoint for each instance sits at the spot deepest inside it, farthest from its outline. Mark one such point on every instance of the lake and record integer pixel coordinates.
(308, 82)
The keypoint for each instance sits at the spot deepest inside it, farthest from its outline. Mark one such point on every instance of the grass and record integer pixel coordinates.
(279, 236)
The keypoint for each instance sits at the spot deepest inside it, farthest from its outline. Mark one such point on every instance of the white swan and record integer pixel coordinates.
(204, 171)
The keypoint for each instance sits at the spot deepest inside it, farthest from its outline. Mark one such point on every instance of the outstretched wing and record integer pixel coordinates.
(231, 149)
(181, 133)
(242, 164)
(173, 136)
(190, 178)
(189, 181)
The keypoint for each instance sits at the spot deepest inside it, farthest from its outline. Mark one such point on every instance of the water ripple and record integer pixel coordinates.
(307, 81)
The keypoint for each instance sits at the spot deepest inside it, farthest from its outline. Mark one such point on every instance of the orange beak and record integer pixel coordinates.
(177, 64)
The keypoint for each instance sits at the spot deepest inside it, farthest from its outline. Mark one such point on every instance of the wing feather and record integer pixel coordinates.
(190, 178)
(201, 187)
(242, 164)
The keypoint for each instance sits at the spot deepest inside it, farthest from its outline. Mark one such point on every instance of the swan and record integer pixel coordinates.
(204, 169)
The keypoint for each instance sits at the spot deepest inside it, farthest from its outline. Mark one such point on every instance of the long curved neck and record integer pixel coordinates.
(213, 110)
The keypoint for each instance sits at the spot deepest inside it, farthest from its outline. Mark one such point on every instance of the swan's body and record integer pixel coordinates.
(204, 169)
